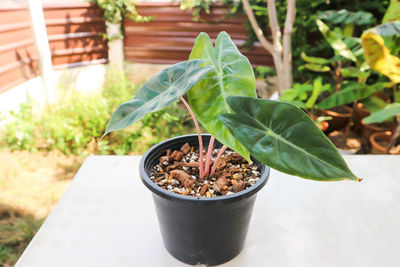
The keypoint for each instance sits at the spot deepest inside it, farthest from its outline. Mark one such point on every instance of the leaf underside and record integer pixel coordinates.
(285, 138)
(159, 92)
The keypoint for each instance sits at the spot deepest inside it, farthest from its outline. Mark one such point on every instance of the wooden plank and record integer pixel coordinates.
(18, 15)
(17, 54)
(17, 75)
(73, 31)
(72, 58)
(67, 28)
(169, 38)
(81, 12)
(68, 43)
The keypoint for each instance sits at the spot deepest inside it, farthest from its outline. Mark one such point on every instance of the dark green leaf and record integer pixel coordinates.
(232, 74)
(157, 93)
(354, 72)
(374, 103)
(388, 112)
(285, 138)
(351, 92)
(344, 16)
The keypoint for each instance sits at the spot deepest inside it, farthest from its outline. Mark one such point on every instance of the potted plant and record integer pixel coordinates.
(345, 64)
(379, 57)
(204, 204)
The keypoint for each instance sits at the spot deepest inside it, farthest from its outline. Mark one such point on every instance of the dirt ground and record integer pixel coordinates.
(34, 181)
(31, 183)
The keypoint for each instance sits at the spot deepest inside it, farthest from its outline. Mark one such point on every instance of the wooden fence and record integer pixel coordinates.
(170, 37)
(18, 58)
(73, 31)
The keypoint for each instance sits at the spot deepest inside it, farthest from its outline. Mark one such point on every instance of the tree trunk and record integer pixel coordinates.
(287, 43)
(282, 56)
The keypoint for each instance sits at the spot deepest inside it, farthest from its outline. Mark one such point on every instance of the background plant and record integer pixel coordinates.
(305, 36)
(75, 124)
(197, 7)
(379, 57)
(347, 67)
(115, 11)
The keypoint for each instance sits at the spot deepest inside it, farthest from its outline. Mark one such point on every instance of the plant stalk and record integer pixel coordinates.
(209, 156)
(214, 167)
(201, 170)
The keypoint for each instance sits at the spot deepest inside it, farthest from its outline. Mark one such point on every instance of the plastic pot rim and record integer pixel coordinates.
(200, 200)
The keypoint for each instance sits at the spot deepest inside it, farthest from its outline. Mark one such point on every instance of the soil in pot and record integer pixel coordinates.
(178, 172)
(340, 117)
(200, 230)
(379, 142)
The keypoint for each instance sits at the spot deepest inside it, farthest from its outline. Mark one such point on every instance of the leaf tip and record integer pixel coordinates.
(101, 138)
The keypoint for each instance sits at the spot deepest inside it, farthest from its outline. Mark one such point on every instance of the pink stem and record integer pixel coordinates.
(214, 167)
(208, 157)
(201, 170)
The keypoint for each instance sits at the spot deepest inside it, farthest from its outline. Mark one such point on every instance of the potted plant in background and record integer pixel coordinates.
(380, 59)
(352, 69)
(210, 227)
(346, 67)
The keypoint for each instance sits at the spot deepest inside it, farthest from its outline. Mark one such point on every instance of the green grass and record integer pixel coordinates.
(16, 231)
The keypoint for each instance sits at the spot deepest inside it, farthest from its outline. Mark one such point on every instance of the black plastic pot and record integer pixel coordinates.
(200, 230)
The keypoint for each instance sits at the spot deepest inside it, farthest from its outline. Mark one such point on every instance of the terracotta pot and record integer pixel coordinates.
(376, 147)
(368, 129)
(359, 114)
(339, 120)
(323, 125)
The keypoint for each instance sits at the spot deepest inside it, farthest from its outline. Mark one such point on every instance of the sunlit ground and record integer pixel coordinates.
(31, 183)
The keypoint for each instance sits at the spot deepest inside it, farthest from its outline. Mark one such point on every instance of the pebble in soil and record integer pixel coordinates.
(178, 172)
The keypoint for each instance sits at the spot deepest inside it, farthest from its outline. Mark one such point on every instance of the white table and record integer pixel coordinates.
(107, 218)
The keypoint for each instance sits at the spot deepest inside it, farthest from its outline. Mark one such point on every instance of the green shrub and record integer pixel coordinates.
(76, 123)
(306, 36)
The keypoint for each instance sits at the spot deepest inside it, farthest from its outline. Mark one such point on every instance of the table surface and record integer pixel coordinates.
(107, 218)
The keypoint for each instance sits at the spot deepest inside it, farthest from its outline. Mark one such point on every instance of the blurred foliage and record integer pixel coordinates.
(197, 7)
(393, 12)
(116, 10)
(263, 72)
(75, 124)
(306, 36)
(349, 66)
(305, 95)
